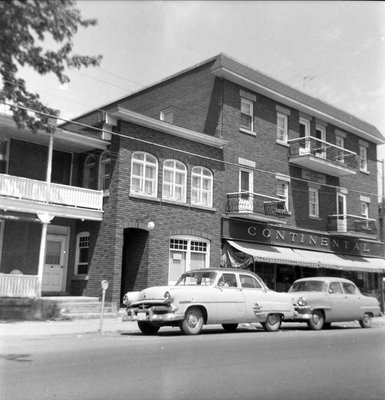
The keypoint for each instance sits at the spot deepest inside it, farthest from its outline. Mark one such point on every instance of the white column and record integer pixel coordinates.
(45, 219)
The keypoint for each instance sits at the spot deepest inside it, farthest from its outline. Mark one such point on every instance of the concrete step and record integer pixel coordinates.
(87, 315)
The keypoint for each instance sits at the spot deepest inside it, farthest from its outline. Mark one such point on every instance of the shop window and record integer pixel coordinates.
(82, 253)
(201, 187)
(90, 172)
(282, 123)
(313, 203)
(105, 171)
(174, 181)
(187, 253)
(144, 173)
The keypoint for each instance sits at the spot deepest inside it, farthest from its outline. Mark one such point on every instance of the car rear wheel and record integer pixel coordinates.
(148, 328)
(230, 327)
(193, 322)
(366, 322)
(273, 323)
(316, 321)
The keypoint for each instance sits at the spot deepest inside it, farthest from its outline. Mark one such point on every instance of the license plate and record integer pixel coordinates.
(141, 316)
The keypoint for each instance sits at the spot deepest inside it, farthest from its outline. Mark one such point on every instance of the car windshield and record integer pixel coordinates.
(200, 278)
(308, 286)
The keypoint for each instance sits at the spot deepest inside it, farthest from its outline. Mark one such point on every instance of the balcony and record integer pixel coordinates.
(352, 225)
(256, 206)
(34, 196)
(315, 154)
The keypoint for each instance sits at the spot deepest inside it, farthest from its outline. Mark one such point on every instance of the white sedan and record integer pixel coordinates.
(319, 301)
(209, 296)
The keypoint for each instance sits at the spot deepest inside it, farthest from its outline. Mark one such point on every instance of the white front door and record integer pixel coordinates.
(341, 213)
(246, 199)
(54, 266)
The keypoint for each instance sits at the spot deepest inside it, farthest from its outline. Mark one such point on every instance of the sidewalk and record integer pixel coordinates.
(86, 326)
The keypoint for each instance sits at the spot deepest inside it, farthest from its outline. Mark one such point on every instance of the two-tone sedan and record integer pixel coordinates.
(209, 296)
(319, 301)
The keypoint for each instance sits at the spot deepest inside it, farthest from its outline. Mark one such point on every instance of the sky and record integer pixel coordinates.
(332, 50)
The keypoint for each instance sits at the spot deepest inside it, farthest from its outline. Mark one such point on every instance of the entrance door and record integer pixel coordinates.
(341, 213)
(54, 264)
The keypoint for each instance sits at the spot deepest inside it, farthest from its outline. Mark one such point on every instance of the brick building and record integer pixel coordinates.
(216, 165)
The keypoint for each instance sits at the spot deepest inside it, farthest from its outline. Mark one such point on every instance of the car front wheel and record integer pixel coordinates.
(366, 322)
(273, 322)
(193, 322)
(316, 321)
(148, 328)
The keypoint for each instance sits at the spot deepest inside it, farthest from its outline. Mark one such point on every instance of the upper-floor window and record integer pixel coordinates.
(82, 253)
(363, 159)
(167, 115)
(89, 177)
(282, 124)
(201, 187)
(105, 171)
(313, 203)
(247, 114)
(144, 173)
(365, 209)
(3, 156)
(320, 133)
(283, 191)
(340, 142)
(174, 181)
(304, 127)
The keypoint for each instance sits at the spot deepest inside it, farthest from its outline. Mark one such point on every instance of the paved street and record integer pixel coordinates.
(295, 363)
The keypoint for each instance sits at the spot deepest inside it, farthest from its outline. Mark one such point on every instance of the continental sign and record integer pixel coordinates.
(295, 238)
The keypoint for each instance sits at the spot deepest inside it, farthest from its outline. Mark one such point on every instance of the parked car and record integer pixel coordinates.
(319, 301)
(209, 296)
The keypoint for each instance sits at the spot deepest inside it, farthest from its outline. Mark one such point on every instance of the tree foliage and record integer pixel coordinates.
(25, 26)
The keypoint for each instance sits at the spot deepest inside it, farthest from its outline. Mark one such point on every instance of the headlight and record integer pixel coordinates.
(126, 301)
(301, 302)
(167, 297)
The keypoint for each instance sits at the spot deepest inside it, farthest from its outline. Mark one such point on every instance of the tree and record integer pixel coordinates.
(24, 27)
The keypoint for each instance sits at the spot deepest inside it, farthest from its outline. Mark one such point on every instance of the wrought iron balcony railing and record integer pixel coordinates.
(346, 223)
(320, 152)
(254, 203)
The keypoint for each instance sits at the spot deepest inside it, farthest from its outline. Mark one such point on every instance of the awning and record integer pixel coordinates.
(307, 258)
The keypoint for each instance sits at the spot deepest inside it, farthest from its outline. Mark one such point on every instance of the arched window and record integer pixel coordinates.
(144, 174)
(174, 181)
(105, 171)
(202, 187)
(89, 179)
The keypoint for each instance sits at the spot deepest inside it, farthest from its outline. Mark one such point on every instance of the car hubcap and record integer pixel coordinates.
(192, 320)
(315, 318)
(273, 319)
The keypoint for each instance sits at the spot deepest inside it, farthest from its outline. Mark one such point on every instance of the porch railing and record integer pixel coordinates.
(19, 285)
(345, 223)
(259, 204)
(52, 193)
(309, 145)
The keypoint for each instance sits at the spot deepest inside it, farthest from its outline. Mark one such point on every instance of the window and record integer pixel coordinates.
(349, 288)
(167, 115)
(320, 133)
(365, 209)
(202, 187)
(187, 253)
(313, 203)
(247, 114)
(3, 156)
(82, 253)
(363, 159)
(249, 282)
(174, 181)
(304, 134)
(283, 191)
(228, 280)
(335, 287)
(105, 171)
(340, 142)
(282, 127)
(90, 172)
(144, 173)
